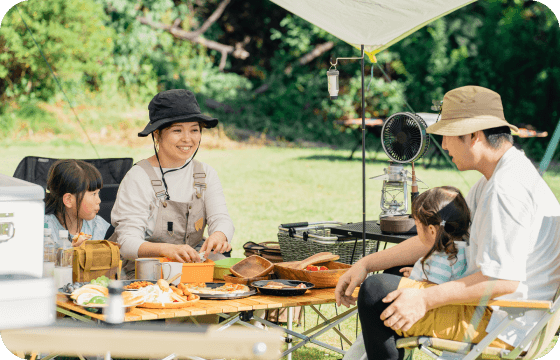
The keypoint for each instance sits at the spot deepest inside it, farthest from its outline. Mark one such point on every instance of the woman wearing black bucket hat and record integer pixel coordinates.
(165, 202)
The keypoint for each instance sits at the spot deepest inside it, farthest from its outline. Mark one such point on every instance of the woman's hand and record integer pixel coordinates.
(217, 242)
(180, 253)
(347, 283)
(406, 271)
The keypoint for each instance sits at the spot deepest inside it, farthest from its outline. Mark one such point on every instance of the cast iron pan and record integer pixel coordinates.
(282, 292)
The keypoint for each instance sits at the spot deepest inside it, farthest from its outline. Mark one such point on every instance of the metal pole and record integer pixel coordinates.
(550, 149)
(363, 159)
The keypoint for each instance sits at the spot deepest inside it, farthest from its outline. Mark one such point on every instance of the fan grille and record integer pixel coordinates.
(404, 137)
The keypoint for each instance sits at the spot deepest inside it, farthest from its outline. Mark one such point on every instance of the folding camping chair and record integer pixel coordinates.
(36, 169)
(539, 337)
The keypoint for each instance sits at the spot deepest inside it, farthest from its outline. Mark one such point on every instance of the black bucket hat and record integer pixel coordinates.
(173, 106)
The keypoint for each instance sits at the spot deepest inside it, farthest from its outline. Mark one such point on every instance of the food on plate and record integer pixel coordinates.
(137, 285)
(316, 268)
(132, 298)
(163, 285)
(102, 280)
(70, 287)
(279, 285)
(98, 295)
(78, 239)
(94, 290)
(227, 288)
(155, 294)
(184, 289)
(97, 300)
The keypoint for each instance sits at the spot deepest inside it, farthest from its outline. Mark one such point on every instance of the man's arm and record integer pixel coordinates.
(475, 287)
(405, 253)
(410, 305)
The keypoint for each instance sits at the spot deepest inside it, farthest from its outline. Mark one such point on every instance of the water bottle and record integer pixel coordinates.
(49, 253)
(64, 257)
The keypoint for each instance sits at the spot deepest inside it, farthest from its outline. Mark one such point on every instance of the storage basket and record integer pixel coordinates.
(299, 241)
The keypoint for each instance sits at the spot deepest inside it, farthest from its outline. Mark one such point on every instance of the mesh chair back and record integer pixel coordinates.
(36, 169)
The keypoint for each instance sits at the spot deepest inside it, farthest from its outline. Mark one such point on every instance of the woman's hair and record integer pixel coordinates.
(70, 176)
(447, 204)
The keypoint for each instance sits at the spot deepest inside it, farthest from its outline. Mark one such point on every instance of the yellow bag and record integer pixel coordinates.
(95, 258)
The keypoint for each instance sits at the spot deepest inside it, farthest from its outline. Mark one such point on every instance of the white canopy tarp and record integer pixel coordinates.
(376, 24)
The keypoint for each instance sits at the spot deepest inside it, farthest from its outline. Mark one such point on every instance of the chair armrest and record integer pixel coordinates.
(530, 304)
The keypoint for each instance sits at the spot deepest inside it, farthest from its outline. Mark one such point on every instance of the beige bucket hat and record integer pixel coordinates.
(467, 109)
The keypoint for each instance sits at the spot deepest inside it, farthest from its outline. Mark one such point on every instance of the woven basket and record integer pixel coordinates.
(300, 243)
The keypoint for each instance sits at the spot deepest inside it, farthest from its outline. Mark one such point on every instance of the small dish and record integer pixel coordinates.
(292, 291)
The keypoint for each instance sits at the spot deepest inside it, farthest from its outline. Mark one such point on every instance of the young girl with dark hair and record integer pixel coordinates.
(443, 219)
(72, 201)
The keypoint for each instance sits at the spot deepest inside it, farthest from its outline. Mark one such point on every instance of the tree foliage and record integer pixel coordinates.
(278, 86)
(74, 40)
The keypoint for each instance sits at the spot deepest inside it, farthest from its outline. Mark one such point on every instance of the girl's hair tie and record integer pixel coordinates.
(442, 223)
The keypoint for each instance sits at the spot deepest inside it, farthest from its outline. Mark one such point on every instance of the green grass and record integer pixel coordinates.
(265, 187)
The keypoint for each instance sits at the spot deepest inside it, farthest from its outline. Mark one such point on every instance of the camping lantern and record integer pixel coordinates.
(332, 75)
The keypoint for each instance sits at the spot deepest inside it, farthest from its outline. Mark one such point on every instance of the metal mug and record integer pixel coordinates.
(147, 269)
(169, 270)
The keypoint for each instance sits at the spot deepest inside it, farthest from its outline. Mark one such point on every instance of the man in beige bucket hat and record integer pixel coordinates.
(479, 112)
(513, 241)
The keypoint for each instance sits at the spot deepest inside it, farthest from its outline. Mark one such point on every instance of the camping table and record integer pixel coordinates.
(373, 231)
(238, 311)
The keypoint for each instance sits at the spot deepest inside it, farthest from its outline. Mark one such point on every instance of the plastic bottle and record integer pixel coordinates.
(49, 253)
(63, 266)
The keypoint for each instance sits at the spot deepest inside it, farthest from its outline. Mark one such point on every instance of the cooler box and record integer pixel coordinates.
(26, 301)
(22, 217)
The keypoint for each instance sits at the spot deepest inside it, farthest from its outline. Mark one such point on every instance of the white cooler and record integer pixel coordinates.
(26, 299)
(22, 218)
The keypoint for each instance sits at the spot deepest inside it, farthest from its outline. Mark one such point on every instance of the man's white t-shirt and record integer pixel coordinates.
(515, 235)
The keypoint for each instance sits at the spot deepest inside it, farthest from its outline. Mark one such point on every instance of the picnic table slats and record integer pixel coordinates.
(205, 307)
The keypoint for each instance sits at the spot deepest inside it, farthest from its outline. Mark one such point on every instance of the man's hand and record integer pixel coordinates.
(217, 242)
(180, 253)
(348, 283)
(408, 306)
(406, 271)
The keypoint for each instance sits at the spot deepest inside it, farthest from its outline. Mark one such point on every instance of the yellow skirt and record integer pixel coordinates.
(451, 322)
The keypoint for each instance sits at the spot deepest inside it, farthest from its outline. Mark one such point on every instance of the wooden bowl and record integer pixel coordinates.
(244, 281)
(251, 267)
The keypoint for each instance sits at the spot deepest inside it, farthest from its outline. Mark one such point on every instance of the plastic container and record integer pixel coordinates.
(22, 220)
(196, 272)
(26, 301)
(221, 267)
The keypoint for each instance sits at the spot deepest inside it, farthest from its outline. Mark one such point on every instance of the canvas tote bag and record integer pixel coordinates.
(95, 258)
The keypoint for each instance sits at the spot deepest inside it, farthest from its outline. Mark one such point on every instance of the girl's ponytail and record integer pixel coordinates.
(447, 210)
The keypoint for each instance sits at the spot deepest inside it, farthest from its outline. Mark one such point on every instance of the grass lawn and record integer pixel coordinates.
(267, 186)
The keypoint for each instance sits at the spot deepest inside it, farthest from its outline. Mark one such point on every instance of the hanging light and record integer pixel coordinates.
(332, 75)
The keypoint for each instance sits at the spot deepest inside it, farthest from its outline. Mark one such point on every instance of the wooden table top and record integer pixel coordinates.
(205, 307)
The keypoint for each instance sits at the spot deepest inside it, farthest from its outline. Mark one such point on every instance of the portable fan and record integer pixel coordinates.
(404, 140)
